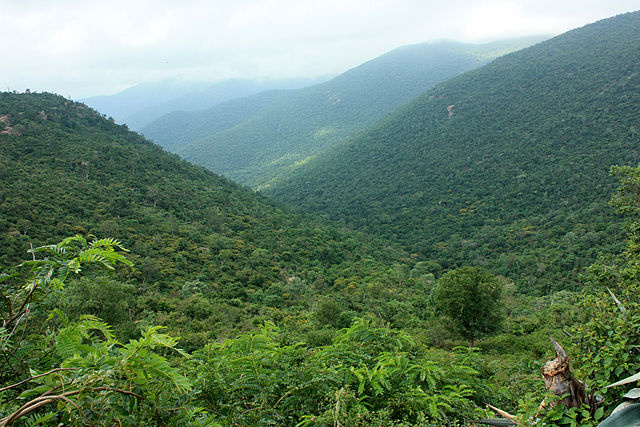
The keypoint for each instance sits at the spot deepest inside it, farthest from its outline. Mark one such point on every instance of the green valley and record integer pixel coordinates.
(67, 170)
(468, 255)
(255, 139)
(506, 166)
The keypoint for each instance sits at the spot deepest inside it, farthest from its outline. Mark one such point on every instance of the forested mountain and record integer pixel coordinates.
(505, 166)
(213, 259)
(123, 104)
(237, 311)
(65, 170)
(254, 139)
(141, 104)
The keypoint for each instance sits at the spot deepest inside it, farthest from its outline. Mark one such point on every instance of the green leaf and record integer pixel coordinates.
(627, 380)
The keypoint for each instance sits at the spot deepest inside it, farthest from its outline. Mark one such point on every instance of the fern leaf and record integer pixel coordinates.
(56, 312)
(68, 342)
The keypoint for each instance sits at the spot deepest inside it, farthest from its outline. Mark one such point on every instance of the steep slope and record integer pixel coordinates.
(210, 95)
(144, 95)
(506, 165)
(252, 140)
(139, 105)
(65, 170)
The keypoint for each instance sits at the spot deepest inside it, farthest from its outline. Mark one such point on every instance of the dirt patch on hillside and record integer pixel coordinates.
(7, 129)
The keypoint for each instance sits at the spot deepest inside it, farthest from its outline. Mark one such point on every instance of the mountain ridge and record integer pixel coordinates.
(139, 105)
(276, 131)
(494, 161)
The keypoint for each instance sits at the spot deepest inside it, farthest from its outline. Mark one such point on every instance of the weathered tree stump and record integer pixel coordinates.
(559, 380)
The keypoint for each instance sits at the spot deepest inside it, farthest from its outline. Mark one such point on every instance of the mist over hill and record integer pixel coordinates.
(255, 139)
(139, 105)
(506, 166)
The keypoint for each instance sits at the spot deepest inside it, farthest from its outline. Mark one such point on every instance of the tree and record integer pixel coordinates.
(470, 296)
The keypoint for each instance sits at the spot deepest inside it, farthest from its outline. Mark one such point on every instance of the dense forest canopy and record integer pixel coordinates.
(139, 289)
(69, 366)
(255, 139)
(67, 170)
(505, 166)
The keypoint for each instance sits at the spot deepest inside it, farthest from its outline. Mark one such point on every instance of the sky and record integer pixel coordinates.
(80, 48)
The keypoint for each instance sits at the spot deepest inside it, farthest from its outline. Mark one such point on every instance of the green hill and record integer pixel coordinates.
(344, 330)
(505, 166)
(197, 239)
(254, 139)
(141, 104)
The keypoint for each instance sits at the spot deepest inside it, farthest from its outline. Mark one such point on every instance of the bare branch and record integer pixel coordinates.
(617, 301)
(505, 414)
(37, 376)
(34, 404)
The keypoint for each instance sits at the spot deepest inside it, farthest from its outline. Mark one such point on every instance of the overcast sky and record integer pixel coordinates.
(79, 48)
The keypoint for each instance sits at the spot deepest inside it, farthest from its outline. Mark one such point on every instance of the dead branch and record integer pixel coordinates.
(36, 376)
(36, 403)
(559, 380)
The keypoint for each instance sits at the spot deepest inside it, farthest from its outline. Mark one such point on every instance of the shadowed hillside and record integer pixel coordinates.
(505, 166)
(255, 139)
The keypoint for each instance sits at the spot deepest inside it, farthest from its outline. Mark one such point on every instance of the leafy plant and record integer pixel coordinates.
(79, 368)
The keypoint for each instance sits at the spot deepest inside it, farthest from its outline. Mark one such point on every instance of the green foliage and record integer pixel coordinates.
(470, 297)
(367, 374)
(606, 332)
(69, 255)
(356, 318)
(78, 368)
(505, 166)
(255, 139)
(76, 172)
(101, 296)
(627, 201)
(608, 339)
(47, 275)
(609, 334)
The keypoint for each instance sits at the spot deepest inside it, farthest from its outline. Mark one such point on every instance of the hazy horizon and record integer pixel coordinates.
(87, 48)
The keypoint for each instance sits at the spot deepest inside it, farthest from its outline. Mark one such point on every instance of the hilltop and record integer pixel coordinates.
(252, 140)
(505, 166)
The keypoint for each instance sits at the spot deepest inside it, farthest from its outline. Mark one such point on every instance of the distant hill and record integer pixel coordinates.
(254, 139)
(505, 166)
(144, 95)
(65, 170)
(139, 105)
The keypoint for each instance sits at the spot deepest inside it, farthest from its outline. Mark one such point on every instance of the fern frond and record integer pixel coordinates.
(50, 249)
(39, 419)
(107, 242)
(56, 312)
(78, 241)
(88, 323)
(68, 342)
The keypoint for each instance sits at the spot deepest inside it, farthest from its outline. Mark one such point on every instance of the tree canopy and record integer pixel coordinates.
(470, 297)
(506, 166)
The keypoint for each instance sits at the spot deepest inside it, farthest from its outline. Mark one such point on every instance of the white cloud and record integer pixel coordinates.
(85, 47)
